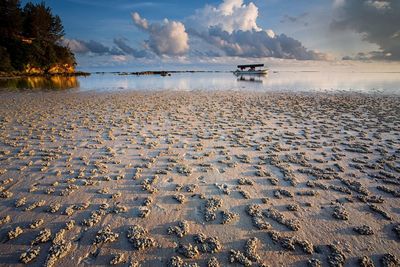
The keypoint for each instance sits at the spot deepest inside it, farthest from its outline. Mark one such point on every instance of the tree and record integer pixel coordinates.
(39, 23)
(31, 36)
(5, 62)
(10, 19)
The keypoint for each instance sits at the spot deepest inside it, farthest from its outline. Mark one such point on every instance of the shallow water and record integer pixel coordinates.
(368, 82)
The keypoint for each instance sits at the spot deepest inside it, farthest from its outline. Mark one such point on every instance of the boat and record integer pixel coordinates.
(251, 69)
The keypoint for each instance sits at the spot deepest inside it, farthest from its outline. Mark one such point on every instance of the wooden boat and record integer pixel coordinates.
(251, 69)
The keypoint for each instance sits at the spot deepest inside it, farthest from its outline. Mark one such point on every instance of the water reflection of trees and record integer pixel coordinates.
(51, 83)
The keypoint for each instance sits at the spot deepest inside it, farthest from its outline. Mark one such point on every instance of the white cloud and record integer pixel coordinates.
(270, 33)
(228, 29)
(76, 46)
(120, 58)
(84, 47)
(232, 28)
(338, 3)
(168, 38)
(380, 5)
(230, 15)
(140, 22)
(258, 44)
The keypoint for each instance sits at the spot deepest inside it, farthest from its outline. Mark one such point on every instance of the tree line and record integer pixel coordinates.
(30, 36)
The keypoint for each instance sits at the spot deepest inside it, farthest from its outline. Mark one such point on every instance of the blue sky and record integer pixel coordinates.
(87, 19)
(105, 32)
(105, 19)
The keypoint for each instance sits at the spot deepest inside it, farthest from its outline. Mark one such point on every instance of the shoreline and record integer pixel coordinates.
(150, 92)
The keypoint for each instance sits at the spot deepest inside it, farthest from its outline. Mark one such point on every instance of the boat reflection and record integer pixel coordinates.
(250, 78)
(49, 83)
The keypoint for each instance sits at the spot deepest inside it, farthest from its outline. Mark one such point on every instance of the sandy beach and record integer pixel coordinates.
(199, 179)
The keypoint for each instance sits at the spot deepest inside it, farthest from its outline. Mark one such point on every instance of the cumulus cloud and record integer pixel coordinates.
(230, 16)
(167, 38)
(76, 46)
(258, 44)
(232, 27)
(228, 29)
(96, 47)
(128, 50)
(83, 47)
(92, 47)
(379, 5)
(376, 20)
(140, 22)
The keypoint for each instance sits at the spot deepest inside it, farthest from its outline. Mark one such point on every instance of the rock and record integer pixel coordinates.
(137, 235)
(314, 262)
(364, 230)
(42, 237)
(189, 251)
(212, 204)
(36, 224)
(365, 261)
(175, 261)
(59, 249)
(245, 181)
(5, 219)
(377, 209)
(180, 230)
(29, 255)
(340, 213)
(239, 257)
(15, 233)
(118, 258)
(180, 198)
(337, 257)
(144, 212)
(207, 244)
(54, 207)
(390, 260)
(280, 218)
(228, 217)
(251, 249)
(293, 207)
(105, 236)
(213, 262)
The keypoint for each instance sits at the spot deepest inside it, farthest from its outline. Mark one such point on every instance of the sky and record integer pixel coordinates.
(159, 33)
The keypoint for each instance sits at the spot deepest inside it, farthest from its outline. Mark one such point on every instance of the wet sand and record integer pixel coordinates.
(206, 178)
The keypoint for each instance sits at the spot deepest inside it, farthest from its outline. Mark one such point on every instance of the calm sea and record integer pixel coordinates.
(367, 82)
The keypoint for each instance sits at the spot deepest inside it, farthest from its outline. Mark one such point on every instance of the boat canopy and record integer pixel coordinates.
(250, 66)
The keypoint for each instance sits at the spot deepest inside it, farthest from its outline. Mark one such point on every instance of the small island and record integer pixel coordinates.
(30, 42)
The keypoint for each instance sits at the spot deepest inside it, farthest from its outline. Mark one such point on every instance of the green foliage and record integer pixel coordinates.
(31, 35)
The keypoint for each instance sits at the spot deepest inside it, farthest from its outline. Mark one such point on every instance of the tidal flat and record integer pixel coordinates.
(219, 178)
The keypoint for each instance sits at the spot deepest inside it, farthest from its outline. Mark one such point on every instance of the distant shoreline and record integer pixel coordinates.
(16, 75)
(161, 72)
